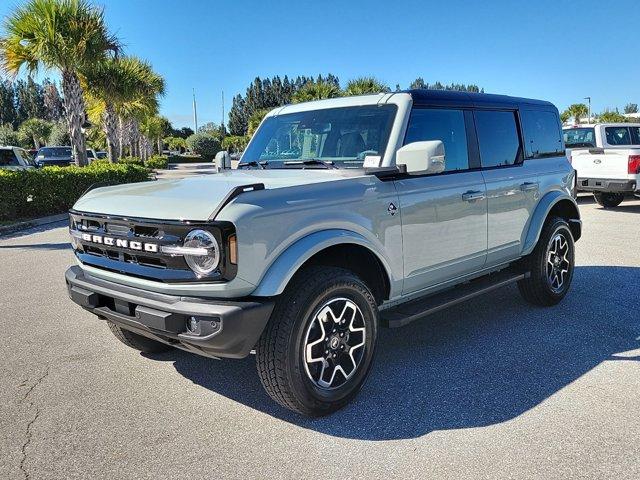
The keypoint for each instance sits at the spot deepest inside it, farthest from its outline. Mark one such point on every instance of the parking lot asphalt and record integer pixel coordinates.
(493, 388)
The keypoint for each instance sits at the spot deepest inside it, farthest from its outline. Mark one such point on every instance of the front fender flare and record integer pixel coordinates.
(536, 222)
(281, 271)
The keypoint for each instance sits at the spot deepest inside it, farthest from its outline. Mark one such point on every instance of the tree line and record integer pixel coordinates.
(107, 97)
(24, 99)
(266, 93)
(579, 111)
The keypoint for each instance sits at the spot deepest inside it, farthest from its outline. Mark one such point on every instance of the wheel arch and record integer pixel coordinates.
(556, 204)
(341, 248)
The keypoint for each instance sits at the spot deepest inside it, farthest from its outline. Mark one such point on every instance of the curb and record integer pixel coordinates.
(36, 222)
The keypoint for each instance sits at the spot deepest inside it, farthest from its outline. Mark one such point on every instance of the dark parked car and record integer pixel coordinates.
(58, 156)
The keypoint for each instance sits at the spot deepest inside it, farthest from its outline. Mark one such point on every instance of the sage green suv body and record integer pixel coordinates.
(343, 214)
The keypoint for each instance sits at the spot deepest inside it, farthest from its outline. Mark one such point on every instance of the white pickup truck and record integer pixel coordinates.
(607, 159)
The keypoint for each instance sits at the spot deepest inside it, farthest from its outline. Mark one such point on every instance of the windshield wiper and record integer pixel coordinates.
(311, 161)
(253, 163)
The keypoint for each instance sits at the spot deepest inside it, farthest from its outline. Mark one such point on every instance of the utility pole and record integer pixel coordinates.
(195, 111)
(588, 99)
(222, 121)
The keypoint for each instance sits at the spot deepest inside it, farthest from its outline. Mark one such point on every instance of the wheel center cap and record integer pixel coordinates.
(334, 342)
(556, 261)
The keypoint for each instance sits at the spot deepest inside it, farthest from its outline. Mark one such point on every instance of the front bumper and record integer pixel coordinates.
(607, 185)
(226, 328)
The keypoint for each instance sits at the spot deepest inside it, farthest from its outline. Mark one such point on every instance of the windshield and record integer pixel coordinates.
(339, 136)
(580, 138)
(25, 156)
(55, 152)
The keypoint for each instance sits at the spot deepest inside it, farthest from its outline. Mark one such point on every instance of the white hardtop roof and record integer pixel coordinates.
(354, 101)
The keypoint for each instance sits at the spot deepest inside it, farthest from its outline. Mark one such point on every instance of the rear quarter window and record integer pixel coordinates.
(542, 134)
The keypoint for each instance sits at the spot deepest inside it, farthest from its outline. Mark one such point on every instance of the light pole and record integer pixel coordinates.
(588, 99)
(195, 112)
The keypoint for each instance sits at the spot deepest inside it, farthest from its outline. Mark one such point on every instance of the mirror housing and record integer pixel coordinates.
(223, 160)
(422, 157)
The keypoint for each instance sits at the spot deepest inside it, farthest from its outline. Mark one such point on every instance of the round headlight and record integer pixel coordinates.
(204, 261)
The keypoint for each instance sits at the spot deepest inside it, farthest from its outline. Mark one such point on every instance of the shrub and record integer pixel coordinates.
(8, 137)
(131, 160)
(235, 143)
(157, 162)
(185, 159)
(59, 134)
(204, 144)
(51, 190)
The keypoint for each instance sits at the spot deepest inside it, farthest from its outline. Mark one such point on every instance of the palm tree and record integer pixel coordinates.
(120, 84)
(37, 129)
(577, 111)
(153, 128)
(66, 35)
(316, 91)
(365, 85)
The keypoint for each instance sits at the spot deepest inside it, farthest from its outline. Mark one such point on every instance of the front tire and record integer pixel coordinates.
(550, 265)
(608, 199)
(137, 342)
(317, 349)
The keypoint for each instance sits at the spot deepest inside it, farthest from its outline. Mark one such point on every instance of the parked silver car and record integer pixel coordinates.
(344, 215)
(15, 158)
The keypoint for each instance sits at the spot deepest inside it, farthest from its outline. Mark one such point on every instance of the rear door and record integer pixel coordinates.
(512, 186)
(444, 216)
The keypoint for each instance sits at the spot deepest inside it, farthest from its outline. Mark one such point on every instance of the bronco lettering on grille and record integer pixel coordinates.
(120, 242)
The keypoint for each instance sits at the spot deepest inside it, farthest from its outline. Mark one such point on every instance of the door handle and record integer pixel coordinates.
(472, 196)
(528, 186)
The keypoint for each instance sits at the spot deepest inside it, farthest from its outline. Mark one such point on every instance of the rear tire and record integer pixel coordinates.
(137, 342)
(317, 349)
(550, 265)
(608, 199)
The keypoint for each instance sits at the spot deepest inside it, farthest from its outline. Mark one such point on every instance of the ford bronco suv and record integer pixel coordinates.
(343, 216)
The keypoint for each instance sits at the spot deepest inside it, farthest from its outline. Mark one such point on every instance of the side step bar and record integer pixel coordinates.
(408, 312)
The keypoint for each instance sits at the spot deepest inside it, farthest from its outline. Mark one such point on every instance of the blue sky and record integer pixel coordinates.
(558, 50)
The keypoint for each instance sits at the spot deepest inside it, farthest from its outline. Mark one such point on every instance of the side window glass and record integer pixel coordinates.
(444, 125)
(8, 159)
(498, 138)
(542, 134)
(635, 135)
(618, 135)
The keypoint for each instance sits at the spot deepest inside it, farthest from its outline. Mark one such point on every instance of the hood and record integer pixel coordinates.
(193, 198)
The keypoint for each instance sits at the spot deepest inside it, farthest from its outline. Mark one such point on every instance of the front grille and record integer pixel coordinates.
(144, 261)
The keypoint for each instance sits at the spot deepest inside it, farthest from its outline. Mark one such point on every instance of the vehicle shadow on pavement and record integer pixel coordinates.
(39, 246)
(38, 229)
(473, 365)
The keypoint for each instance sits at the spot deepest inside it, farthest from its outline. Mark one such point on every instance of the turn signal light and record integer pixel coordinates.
(233, 250)
(634, 164)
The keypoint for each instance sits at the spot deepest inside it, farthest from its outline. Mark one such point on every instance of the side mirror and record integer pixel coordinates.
(422, 157)
(223, 160)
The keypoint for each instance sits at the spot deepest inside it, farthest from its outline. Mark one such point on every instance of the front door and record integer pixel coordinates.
(444, 216)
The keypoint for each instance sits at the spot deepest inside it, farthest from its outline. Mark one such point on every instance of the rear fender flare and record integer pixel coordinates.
(544, 207)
